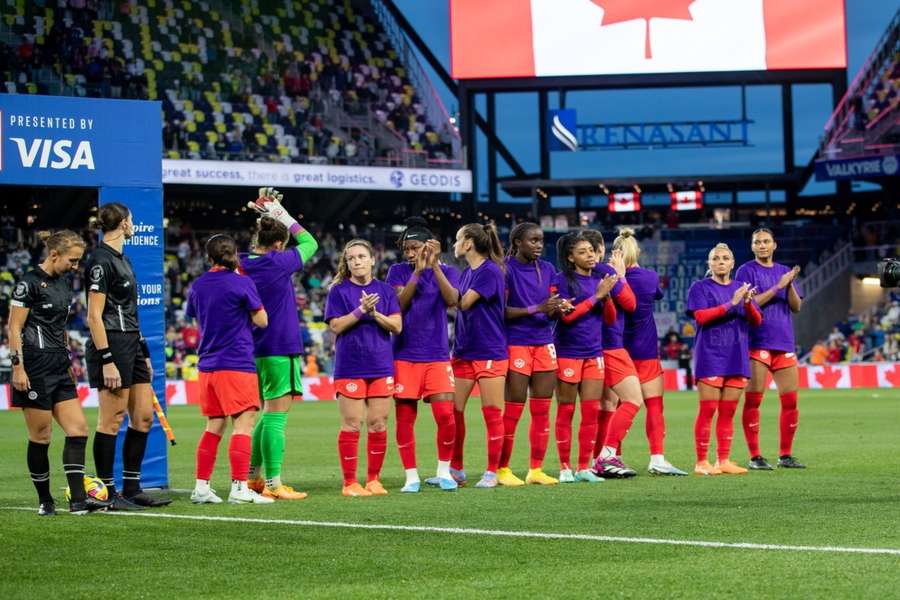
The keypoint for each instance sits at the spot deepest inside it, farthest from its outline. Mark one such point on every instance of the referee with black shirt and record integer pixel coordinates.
(118, 360)
(43, 383)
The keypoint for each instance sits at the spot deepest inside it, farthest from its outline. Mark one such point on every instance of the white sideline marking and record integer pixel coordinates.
(502, 533)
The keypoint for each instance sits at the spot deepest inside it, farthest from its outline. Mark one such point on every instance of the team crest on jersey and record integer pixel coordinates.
(96, 273)
(21, 290)
(399, 388)
(519, 363)
(568, 372)
(352, 387)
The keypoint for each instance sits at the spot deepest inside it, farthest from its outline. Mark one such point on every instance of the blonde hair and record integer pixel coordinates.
(719, 246)
(343, 272)
(61, 240)
(627, 243)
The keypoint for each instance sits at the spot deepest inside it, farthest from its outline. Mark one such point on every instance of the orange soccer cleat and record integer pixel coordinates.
(284, 492)
(704, 468)
(355, 490)
(258, 485)
(375, 488)
(729, 468)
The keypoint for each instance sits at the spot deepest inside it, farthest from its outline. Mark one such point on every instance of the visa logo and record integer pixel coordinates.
(40, 150)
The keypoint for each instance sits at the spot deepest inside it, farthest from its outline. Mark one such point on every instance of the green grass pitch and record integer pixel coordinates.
(849, 497)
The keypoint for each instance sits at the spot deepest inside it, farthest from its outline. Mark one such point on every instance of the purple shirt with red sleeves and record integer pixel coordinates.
(222, 302)
(364, 350)
(582, 338)
(777, 329)
(613, 335)
(480, 331)
(722, 347)
(641, 338)
(528, 284)
(424, 337)
(272, 273)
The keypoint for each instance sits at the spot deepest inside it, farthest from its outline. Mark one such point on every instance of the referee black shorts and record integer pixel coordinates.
(127, 356)
(49, 379)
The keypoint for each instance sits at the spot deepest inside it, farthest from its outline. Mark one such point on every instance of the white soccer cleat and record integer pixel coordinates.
(241, 494)
(665, 468)
(207, 496)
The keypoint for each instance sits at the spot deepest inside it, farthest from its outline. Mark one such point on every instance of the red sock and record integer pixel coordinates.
(446, 429)
(512, 412)
(620, 424)
(406, 432)
(539, 430)
(564, 412)
(725, 428)
(206, 454)
(493, 422)
(603, 420)
(376, 446)
(239, 453)
(587, 432)
(655, 424)
(459, 418)
(348, 448)
(702, 427)
(790, 416)
(750, 421)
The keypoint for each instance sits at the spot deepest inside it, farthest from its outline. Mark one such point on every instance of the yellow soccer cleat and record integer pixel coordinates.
(704, 468)
(506, 477)
(729, 468)
(538, 477)
(355, 490)
(258, 485)
(375, 488)
(284, 492)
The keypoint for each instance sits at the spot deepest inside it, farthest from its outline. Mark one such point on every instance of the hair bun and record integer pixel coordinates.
(415, 222)
(44, 235)
(626, 232)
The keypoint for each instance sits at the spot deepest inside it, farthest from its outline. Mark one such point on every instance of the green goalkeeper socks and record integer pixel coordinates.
(256, 455)
(273, 442)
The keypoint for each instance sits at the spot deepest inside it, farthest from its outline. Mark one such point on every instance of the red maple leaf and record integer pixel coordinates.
(171, 390)
(893, 376)
(618, 11)
(828, 377)
(323, 389)
(83, 392)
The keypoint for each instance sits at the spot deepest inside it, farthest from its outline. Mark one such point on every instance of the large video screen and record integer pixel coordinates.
(542, 38)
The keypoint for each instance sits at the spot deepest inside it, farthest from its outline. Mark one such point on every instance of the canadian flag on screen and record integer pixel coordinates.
(625, 202)
(691, 200)
(528, 38)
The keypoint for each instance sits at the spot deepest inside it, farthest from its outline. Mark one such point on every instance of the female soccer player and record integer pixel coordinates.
(118, 360)
(579, 348)
(641, 341)
(479, 352)
(622, 385)
(42, 380)
(532, 356)
(279, 349)
(772, 348)
(722, 308)
(362, 312)
(425, 288)
(226, 304)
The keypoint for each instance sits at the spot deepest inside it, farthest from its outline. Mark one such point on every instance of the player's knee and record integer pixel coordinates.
(376, 424)
(41, 435)
(110, 422)
(79, 429)
(351, 425)
(142, 422)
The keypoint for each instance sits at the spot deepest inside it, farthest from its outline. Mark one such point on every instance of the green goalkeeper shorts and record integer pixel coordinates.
(279, 376)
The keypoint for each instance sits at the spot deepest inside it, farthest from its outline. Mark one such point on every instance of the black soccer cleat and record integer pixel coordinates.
(145, 500)
(789, 462)
(47, 509)
(758, 463)
(82, 507)
(119, 502)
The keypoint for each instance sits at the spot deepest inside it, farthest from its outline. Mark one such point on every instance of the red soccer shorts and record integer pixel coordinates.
(530, 359)
(414, 380)
(731, 381)
(648, 370)
(774, 359)
(360, 389)
(618, 366)
(479, 369)
(227, 393)
(574, 370)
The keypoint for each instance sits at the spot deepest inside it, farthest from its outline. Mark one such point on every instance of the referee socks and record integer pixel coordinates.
(104, 457)
(73, 465)
(132, 457)
(39, 468)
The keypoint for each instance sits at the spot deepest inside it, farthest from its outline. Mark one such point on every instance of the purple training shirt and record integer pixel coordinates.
(613, 335)
(641, 338)
(528, 284)
(722, 347)
(363, 351)
(424, 337)
(583, 338)
(480, 331)
(777, 329)
(271, 272)
(222, 302)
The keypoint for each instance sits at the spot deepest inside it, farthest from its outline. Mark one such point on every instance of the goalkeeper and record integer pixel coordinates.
(271, 265)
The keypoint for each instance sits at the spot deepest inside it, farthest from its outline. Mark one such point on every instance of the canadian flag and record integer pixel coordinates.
(691, 200)
(535, 38)
(625, 202)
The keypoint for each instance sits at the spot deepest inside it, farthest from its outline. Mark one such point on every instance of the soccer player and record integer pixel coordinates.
(480, 354)
(422, 370)
(43, 384)
(772, 348)
(723, 308)
(641, 341)
(579, 347)
(622, 396)
(530, 308)
(118, 360)
(226, 304)
(279, 348)
(362, 312)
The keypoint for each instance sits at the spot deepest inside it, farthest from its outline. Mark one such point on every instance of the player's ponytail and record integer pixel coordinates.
(222, 251)
(343, 272)
(627, 243)
(485, 241)
(268, 233)
(61, 240)
(109, 217)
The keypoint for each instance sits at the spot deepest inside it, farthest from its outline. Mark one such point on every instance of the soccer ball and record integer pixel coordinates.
(94, 488)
